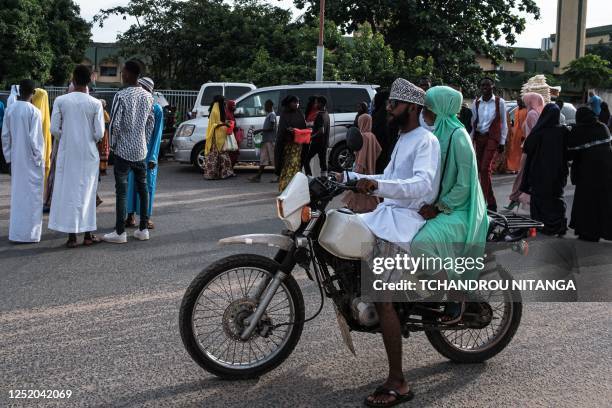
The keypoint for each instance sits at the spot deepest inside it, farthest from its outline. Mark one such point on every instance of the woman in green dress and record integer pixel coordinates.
(457, 222)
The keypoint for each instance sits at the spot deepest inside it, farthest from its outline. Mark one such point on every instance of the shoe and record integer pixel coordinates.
(512, 205)
(141, 235)
(115, 238)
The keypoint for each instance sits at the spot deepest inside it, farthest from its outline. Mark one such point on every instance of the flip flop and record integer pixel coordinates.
(399, 398)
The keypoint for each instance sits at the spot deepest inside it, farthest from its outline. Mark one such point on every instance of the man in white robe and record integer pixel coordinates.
(23, 146)
(78, 122)
(410, 181)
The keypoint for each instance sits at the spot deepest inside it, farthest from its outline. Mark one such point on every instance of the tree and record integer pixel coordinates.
(24, 53)
(589, 71)
(68, 36)
(451, 32)
(40, 40)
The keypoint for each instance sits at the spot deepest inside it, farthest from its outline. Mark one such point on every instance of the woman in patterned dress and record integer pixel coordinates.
(217, 163)
(288, 154)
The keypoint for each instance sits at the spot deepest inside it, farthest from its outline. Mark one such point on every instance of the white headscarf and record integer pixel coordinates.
(13, 96)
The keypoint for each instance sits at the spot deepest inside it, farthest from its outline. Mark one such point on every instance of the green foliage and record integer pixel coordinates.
(190, 42)
(589, 71)
(41, 40)
(451, 32)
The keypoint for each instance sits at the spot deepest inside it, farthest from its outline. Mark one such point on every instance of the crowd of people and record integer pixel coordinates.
(74, 143)
(57, 158)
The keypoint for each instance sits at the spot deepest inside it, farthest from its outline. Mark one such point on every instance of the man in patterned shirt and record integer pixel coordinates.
(131, 125)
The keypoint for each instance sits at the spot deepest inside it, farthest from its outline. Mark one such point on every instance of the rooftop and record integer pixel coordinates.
(593, 32)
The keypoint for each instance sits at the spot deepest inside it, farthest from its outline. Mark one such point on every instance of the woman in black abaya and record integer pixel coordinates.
(546, 170)
(591, 154)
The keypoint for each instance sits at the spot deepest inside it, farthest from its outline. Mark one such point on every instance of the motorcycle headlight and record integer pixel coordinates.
(185, 131)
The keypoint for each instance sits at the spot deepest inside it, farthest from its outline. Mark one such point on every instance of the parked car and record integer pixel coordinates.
(230, 90)
(188, 143)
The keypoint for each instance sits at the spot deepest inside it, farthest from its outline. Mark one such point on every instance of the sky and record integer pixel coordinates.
(598, 14)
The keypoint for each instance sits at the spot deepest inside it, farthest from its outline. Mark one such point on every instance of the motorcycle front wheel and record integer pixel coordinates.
(213, 313)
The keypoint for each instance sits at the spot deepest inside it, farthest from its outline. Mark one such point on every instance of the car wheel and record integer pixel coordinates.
(341, 158)
(198, 157)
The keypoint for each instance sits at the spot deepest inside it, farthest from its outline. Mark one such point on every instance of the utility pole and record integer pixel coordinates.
(320, 47)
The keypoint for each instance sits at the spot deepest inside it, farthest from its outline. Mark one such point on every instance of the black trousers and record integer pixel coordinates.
(314, 149)
(122, 169)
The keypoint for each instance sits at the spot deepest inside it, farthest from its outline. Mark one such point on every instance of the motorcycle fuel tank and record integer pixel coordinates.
(346, 236)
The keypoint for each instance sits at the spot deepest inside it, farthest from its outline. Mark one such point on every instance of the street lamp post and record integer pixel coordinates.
(320, 47)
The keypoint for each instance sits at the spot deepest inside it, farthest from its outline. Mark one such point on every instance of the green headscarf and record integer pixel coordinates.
(461, 230)
(445, 102)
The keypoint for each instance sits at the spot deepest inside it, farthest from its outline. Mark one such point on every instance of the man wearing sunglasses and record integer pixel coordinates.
(410, 181)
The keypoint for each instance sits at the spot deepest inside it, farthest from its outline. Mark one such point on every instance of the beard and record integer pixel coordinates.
(399, 120)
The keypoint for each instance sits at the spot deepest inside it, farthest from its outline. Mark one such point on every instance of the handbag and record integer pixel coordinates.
(429, 211)
(302, 136)
(230, 145)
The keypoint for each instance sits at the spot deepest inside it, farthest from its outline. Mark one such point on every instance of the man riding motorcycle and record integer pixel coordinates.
(409, 182)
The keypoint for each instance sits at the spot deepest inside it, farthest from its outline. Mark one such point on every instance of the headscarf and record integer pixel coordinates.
(534, 101)
(445, 102)
(588, 131)
(13, 96)
(460, 195)
(216, 129)
(365, 163)
(550, 117)
(585, 116)
(41, 101)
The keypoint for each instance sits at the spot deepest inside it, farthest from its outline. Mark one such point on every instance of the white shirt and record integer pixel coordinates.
(486, 115)
(410, 180)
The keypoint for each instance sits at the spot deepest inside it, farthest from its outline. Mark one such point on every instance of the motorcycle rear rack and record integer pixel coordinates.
(512, 221)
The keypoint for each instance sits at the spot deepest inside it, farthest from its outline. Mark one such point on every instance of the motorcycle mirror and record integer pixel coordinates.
(354, 139)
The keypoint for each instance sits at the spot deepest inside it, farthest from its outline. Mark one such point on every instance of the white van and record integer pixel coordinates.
(229, 90)
(342, 101)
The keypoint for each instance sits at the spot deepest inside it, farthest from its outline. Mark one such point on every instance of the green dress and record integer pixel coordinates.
(460, 230)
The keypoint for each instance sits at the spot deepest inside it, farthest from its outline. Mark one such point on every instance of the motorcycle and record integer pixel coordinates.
(243, 315)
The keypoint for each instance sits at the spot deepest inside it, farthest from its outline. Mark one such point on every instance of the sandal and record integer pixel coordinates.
(453, 312)
(91, 240)
(150, 225)
(398, 398)
(71, 244)
(130, 223)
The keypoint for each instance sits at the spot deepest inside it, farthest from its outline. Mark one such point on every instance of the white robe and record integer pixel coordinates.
(78, 122)
(410, 180)
(24, 147)
(13, 96)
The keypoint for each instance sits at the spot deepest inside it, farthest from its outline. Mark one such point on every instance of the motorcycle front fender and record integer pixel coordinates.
(272, 240)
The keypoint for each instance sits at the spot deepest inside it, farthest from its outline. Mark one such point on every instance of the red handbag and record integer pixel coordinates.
(302, 136)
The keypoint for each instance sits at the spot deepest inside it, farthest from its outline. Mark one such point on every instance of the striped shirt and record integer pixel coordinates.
(132, 123)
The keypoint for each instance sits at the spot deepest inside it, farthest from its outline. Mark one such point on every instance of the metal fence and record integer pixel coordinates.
(183, 101)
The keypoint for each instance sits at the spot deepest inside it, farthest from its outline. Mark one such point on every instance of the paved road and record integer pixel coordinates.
(102, 322)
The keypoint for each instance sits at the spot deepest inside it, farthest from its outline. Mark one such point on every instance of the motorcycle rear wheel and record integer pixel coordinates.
(229, 303)
(451, 344)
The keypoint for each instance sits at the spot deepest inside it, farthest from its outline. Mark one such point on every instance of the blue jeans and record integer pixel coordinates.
(122, 169)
